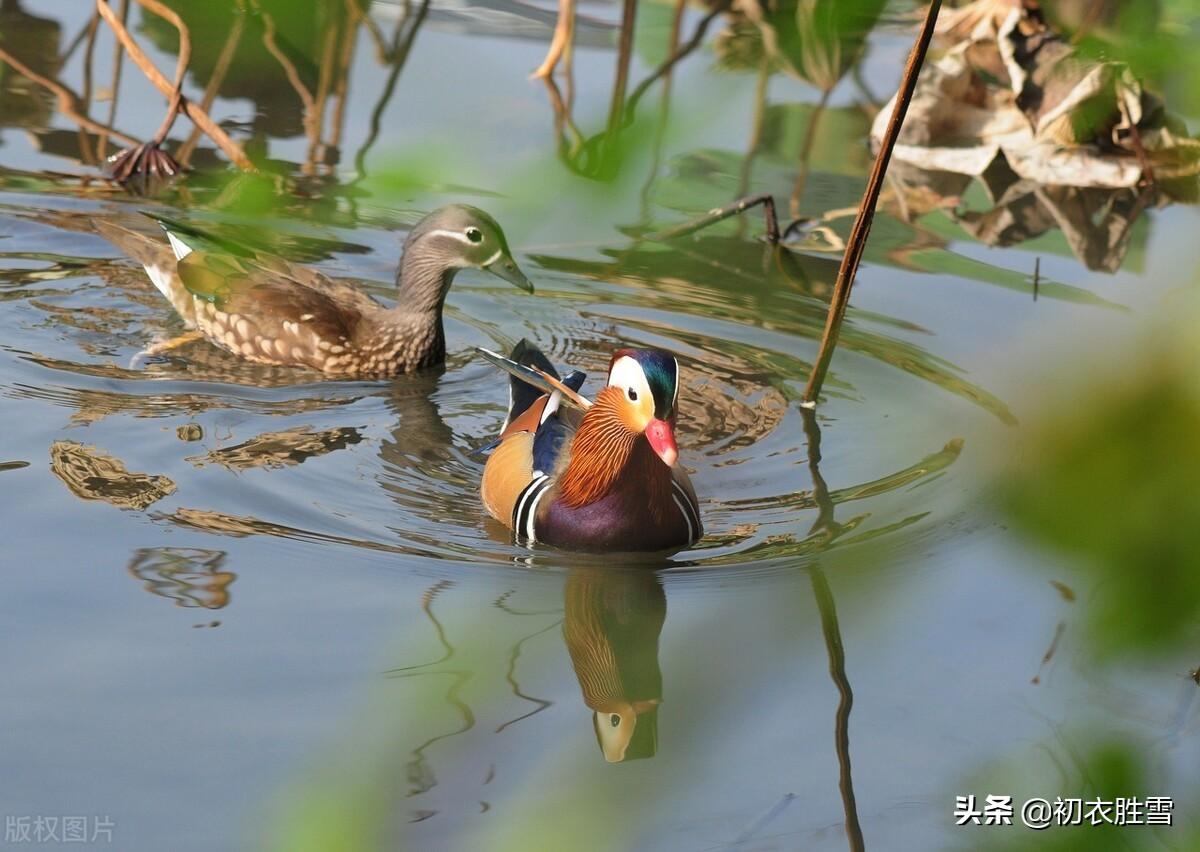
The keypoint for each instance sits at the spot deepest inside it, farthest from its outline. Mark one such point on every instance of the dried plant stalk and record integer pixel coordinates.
(193, 111)
(866, 210)
(181, 64)
(67, 100)
(184, 154)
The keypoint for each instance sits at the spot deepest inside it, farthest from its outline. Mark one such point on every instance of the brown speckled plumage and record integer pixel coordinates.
(268, 311)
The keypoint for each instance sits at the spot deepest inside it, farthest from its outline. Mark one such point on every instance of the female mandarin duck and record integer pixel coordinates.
(604, 481)
(273, 312)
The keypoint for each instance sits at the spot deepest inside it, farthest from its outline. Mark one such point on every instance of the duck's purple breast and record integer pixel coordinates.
(617, 522)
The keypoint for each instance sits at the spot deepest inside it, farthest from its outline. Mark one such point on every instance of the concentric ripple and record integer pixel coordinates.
(392, 466)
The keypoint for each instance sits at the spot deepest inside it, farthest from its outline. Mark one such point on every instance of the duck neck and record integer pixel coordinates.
(606, 457)
(422, 281)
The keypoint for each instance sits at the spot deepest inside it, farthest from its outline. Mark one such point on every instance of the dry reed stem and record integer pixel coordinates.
(117, 62)
(564, 35)
(721, 213)
(866, 210)
(193, 111)
(345, 64)
(220, 69)
(181, 64)
(67, 100)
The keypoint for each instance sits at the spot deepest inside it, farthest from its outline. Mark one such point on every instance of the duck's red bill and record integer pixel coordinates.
(661, 436)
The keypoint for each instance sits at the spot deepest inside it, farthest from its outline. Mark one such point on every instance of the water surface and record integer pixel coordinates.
(229, 586)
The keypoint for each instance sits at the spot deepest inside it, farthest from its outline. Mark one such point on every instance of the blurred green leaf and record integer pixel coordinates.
(1101, 767)
(1112, 482)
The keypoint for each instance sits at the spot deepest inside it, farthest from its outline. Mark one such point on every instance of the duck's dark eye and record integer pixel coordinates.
(632, 394)
(474, 235)
(614, 720)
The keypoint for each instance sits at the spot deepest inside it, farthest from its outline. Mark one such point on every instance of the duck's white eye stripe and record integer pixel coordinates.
(628, 375)
(445, 232)
(675, 396)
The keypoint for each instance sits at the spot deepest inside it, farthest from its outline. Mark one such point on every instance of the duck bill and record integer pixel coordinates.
(661, 436)
(505, 267)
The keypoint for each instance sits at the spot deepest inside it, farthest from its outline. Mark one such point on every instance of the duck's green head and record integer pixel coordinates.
(459, 236)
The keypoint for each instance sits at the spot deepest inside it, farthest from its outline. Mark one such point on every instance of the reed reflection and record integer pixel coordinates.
(34, 42)
(826, 527)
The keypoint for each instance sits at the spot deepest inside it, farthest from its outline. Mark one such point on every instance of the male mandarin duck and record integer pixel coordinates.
(270, 311)
(604, 481)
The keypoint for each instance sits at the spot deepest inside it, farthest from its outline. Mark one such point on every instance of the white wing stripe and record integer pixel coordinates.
(530, 533)
(686, 517)
(690, 513)
(522, 514)
(178, 246)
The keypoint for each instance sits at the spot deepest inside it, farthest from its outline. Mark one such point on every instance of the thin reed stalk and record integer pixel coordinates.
(866, 210)
(193, 111)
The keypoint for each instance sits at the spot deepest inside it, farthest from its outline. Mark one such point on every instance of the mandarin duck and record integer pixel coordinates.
(270, 311)
(603, 480)
(612, 621)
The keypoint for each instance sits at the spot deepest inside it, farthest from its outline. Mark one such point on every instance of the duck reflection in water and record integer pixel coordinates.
(613, 620)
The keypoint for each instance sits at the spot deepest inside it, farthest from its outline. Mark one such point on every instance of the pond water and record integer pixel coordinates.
(298, 621)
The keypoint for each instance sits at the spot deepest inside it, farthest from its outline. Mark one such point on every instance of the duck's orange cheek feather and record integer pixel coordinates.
(634, 416)
(632, 419)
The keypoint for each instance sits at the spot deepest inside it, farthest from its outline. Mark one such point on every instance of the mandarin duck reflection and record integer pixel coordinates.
(612, 624)
(605, 480)
(270, 311)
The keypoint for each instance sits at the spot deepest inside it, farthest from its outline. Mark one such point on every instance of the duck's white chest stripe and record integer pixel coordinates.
(527, 502)
(690, 515)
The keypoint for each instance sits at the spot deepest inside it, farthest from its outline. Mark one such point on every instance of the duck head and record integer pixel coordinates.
(627, 731)
(635, 412)
(454, 237)
(647, 384)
